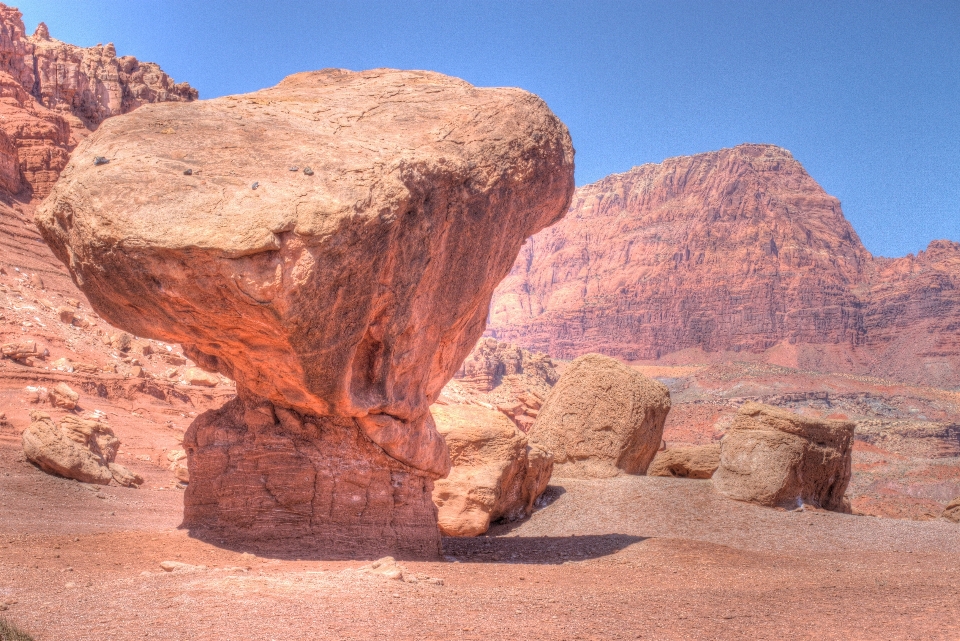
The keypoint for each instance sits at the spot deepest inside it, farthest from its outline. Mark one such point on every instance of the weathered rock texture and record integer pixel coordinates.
(952, 511)
(691, 462)
(496, 475)
(602, 419)
(52, 94)
(503, 376)
(734, 251)
(774, 457)
(80, 449)
(352, 291)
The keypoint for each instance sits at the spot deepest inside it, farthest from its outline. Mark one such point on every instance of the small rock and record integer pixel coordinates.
(36, 281)
(254, 185)
(177, 566)
(66, 315)
(952, 512)
(307, 171)
(187, 172)
(64, 397)
(100, 160)
(196, 376)
(294, 169)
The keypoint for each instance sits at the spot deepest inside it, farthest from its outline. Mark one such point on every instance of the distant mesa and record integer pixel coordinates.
(736, 253)
(340, 302)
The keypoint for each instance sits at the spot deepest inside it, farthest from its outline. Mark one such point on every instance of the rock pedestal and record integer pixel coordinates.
(331, 244)
(264, 474)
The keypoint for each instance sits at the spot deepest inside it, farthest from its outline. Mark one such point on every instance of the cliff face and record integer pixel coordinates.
(738, 250)
(53, 94)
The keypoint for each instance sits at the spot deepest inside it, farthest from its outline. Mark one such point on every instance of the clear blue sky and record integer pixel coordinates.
(865, 94)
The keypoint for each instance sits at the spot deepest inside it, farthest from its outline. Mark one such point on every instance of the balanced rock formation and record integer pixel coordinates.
(776, 458)
(52, 94)
(602, 419)
(952, 511)
(333, 249)
(496, 475)
(690, 462)
(732, 252)
(79, 448)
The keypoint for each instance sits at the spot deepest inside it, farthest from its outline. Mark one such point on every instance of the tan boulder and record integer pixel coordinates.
(774, 457)
(602, 419)
(64, 397)
(691, 462)
(345, 295)
(196, 376)
(79, 449)
(496, 474)
(952, 511)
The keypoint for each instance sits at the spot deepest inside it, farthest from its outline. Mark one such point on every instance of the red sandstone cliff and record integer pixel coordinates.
(52, 94)
(738, 250)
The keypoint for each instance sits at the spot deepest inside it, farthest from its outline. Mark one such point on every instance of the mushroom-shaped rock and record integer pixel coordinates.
(496, 474)
(344, 298)
(689, 462)
(776, 458)
(602, 419)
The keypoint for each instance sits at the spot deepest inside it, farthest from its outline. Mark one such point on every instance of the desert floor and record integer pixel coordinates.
(624, 558)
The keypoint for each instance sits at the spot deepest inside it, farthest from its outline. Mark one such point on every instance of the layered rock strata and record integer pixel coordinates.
(737, 252)
(331, 244)
(497, 473)
(776, 458)
(602, 419)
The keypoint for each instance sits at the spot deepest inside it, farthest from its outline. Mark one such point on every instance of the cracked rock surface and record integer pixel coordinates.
(352, 292)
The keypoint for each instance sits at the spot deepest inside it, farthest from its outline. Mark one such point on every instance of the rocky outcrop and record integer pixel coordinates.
(505, 377)
(602, 419)
(496, 475)
(52, 94)
(357, 241)
(79, 449)
(725, 253)
(952, 511)
(777, 458)
(690, 462)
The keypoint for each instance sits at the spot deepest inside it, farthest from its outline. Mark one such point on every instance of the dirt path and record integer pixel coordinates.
(632, 558)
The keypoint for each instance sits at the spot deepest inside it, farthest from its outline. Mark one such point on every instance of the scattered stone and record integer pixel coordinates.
(19, 351)
(307, 171)
(776, 458)
(177, 566)
(79, 449)
(66, 314)
(602, 419)
(64, 397)
(100, 160)
(496, 473)
(952, 511)
(196, 376)
(36, 281)
(254, 185)
(690, 462)
(187, 172)
(121, 341)
(294, 168)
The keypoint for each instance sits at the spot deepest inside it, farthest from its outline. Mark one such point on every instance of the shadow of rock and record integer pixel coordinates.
(544, 550)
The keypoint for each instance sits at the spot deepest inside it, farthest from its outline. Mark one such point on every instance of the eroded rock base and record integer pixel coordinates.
(272, 478)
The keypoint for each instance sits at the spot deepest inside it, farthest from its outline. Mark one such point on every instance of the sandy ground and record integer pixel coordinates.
(626, 558)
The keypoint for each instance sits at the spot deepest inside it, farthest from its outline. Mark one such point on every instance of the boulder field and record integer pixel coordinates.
(331, 244)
